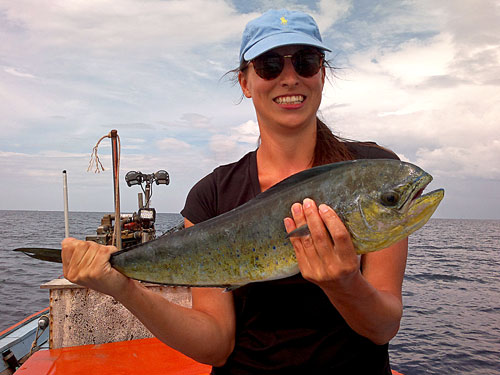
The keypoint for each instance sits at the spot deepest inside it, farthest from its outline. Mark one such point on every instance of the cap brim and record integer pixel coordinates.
(280, 40)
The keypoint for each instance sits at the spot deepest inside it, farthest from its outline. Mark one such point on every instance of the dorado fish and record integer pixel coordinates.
(379, 201)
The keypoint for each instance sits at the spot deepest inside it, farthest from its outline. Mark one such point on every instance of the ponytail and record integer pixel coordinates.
(329, 148)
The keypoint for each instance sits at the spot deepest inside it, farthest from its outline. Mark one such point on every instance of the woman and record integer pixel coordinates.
(339, 313)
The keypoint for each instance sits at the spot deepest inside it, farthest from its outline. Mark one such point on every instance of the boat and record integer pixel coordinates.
(131, 357)
(84, 332)
(21, 339)
(143, 356)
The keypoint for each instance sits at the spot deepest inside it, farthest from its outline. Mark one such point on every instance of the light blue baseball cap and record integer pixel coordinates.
(276, 28)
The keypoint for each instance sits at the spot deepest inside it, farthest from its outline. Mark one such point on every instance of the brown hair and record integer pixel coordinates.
(329, 148)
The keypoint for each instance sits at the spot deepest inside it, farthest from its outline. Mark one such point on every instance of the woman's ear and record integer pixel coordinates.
(242, 79)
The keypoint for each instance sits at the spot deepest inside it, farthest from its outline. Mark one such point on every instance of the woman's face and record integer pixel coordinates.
(288, 101)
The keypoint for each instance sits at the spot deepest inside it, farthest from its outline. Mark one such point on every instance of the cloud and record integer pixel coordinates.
(16, 73)
(172, 144)
(105, 28)
(478, 160)
(40, 168)
(196, 120)
(97, 63)
(231, 145)
(426, 99)
(418, 77)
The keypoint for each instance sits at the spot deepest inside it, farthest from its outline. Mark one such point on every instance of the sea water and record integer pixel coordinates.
(451, 292)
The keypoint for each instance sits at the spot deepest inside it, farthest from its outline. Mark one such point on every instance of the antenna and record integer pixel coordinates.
(66, 213)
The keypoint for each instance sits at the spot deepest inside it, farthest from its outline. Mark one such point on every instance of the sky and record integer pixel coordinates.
(419, 77)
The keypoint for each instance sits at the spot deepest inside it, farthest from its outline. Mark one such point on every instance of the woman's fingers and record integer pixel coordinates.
(292, 224)
(85, 261)
(73, 252)
(320, 236)
(305, 246)
(326, 254)
(338, 231)
(298, 212)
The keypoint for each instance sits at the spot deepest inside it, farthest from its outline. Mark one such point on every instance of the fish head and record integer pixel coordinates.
(391, 204)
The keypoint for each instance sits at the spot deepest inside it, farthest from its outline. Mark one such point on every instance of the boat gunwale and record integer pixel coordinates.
(22, 323)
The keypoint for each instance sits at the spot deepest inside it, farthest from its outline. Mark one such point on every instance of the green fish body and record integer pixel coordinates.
(379, 201)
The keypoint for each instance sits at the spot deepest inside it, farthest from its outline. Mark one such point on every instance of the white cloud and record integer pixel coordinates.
(195, 120)
(16, 73)
(107, 27)
(247, 132)
(329, 12)
(409, 67)
(233, 144)
(419, 77)
(478, 160)
(37, 169)
(172, 144)
(423, 99)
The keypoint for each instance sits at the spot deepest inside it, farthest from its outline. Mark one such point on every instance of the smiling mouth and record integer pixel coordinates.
(291, 99)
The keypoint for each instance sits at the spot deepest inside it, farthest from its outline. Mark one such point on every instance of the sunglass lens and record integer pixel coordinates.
(269, 65)
(306, 63)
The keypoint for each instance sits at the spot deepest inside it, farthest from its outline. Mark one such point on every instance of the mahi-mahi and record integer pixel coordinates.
(380, 201)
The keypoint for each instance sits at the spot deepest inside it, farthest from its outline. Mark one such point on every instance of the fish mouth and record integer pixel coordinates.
(416, 192)
(431, 199)
(419, 206)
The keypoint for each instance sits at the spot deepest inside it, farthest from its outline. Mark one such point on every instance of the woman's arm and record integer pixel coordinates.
(205, 332)
(370, 301)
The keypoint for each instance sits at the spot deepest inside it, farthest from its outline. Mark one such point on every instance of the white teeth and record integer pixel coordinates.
(294, 99)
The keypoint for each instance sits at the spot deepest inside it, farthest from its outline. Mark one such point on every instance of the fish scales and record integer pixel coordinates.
(379, 202)
(244, 251)
(249, 243)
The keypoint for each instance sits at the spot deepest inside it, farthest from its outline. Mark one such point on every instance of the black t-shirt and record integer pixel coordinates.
(285, 326)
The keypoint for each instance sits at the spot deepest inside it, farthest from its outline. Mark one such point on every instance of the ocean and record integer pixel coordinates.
(451, 322)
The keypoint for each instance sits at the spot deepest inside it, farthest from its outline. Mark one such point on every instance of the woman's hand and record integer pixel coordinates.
(371, 301)
(326, 257)
(87, 263)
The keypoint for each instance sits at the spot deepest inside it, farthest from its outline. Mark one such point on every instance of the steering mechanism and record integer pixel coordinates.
(138, 178)
(138, 227)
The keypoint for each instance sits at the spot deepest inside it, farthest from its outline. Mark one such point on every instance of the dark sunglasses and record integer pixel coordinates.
(306, 63)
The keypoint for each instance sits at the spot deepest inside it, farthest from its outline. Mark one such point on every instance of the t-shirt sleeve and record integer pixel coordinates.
(201, 202)
(227, 187)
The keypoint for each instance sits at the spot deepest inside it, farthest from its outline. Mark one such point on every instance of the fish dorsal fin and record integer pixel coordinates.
(176, 228)
(299, 177)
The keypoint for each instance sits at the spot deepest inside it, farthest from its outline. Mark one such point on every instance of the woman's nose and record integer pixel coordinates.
(289, 76)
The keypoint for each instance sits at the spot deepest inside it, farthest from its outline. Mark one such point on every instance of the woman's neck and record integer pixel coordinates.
(280, 156)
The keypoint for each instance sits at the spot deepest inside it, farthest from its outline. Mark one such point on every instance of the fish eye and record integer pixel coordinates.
(389, 198)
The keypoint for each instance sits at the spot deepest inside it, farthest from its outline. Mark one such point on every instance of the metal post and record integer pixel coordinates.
(66, 213)
(148, 193)
(116, 184)
(140, 200)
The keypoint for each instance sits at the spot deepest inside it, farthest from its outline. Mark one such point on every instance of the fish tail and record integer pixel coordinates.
(48, 255)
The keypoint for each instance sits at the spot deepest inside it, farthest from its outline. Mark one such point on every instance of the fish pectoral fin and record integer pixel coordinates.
(299, 232)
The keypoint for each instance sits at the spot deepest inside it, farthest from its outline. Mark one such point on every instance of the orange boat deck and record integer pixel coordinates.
(145, 356)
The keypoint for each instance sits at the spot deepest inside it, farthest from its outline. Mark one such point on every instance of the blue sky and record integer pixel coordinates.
(418, 77)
